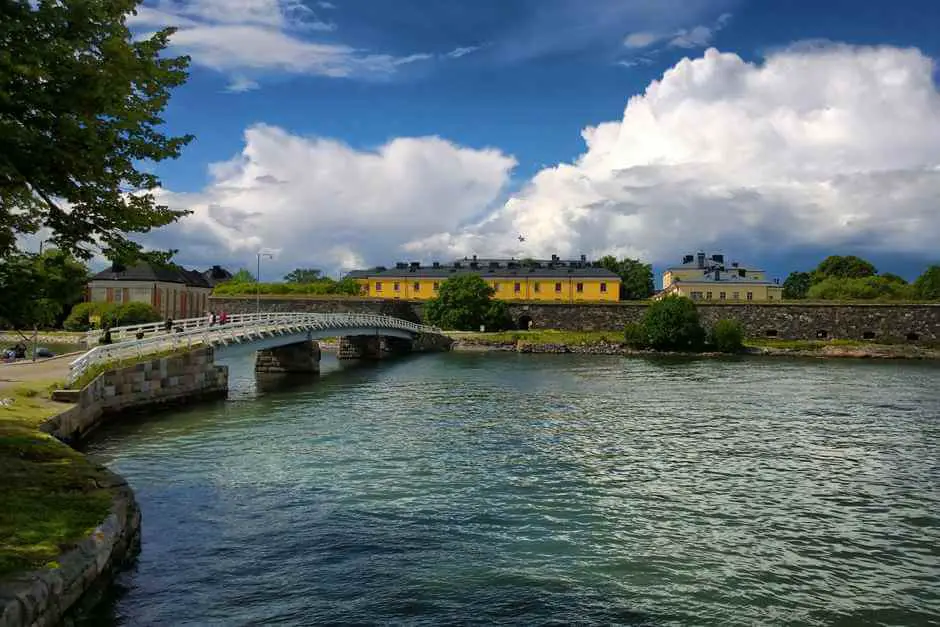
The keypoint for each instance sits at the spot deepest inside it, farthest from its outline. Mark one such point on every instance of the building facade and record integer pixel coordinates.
(709, 278)
(553, 279)
(173, 291)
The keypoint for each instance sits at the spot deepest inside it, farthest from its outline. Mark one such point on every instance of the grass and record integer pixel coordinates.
(49, 495)
(571, 338)
(92, 373)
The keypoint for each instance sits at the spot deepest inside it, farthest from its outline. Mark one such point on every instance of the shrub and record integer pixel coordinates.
(464, 303)
(77, 320)
(727, 336)
(673, 324)
(865, 288)
(635, 336)
(134, 313)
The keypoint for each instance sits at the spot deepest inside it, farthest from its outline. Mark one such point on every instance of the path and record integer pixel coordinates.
(51, 369)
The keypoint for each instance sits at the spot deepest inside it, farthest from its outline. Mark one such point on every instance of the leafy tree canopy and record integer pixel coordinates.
(80, 115)
(636, 277)
(38, 289)
(797, 285)
(864, 288)
(466, 302)
(927, 285)
(843, 267)
(672, 324)
(242, 276)
(303, 275)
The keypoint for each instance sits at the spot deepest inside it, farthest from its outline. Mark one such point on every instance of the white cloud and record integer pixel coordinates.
(321, 202)
(326, 5)
(456, 53)
(834, 146)
(641, 39)
(242, 37)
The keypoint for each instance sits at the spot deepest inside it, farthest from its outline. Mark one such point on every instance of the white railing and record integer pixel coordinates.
(138, 340)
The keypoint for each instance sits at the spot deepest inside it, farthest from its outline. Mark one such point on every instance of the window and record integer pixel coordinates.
(735, 295)
(119, 295)
(912, 337)
(822, 334)
(770, 297)
(536, 287)
(722, 295)
(417, 286)
(708, 295)
(868, 335)
(696, 296)
(517, 288)
(396, 286)
(558, 287)
(378, 286)
(603, 288)
(771, 332)
(437, 286)
(580, 288)
(750, 295)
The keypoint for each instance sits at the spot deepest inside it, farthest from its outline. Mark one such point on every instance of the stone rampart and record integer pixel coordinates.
(919, 323)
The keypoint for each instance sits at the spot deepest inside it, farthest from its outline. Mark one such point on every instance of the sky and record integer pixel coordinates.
(351, 133)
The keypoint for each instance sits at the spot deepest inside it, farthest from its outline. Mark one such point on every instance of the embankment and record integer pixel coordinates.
(76, 578)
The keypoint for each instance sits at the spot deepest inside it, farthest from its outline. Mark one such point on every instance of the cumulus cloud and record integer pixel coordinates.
(323, 203)
(830, 147)
(239, 37)
(816, 146)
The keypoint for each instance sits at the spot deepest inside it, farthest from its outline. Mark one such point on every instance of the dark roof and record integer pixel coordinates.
(360, 274)
(216, 275)
(445, 272)
(146, 272)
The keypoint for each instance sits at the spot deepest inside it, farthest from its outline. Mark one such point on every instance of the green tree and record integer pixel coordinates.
(81, 102)
(464, 303)
(927, 285)
(242, 276)
(38, 289)
(673, 324)
(303, 275)
(863, 288)
(727, 336)
(843, 267)
(636, 277)
(797, 285)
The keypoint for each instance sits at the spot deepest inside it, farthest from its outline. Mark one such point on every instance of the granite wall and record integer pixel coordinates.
(796, 321)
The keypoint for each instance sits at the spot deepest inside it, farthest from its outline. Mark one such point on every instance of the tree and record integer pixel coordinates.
(81, 102)
(38, 289)
(673, 324)
(303, 275)
(843, 267)
(864, 288)
(797, 285)
(464, 303)
(927, 285)
(727, 336)
(243, 276)
(636, 277)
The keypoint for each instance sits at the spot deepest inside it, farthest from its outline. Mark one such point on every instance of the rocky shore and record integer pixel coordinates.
(873, 351)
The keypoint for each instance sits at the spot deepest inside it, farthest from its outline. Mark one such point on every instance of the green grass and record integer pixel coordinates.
(803, 344)
(49, 496)
(571, 338)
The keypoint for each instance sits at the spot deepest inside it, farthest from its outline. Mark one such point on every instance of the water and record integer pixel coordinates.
(499, 488)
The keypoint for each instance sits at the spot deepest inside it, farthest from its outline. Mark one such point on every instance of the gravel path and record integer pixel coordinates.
(51, 369)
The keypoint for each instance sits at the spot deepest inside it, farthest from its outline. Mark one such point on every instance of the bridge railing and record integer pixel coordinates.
(194, 332)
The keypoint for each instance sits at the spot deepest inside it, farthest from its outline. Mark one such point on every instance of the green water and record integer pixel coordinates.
(525, 489)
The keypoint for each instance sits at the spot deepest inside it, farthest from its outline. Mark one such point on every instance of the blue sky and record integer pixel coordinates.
(358, 132)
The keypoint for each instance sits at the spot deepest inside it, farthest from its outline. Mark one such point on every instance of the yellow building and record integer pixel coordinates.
(554, 280)
(702, 277)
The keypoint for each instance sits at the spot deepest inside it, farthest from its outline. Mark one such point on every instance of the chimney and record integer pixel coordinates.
(583, 258)
(436, 264)
(474, 257)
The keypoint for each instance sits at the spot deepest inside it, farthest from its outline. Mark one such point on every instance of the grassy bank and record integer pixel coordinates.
(570, 338)
(49, 492)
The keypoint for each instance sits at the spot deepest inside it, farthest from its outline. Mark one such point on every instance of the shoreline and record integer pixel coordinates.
(830, 351)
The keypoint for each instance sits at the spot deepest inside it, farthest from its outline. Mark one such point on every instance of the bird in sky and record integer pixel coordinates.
(521, 238)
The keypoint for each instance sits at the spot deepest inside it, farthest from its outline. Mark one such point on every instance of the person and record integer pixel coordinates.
(168, 325)
(106, 338)
(223, 318)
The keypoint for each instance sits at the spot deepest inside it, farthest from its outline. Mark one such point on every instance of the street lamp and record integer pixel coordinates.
(261, 254)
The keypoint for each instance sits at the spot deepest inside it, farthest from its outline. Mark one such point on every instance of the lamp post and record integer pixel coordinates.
(261, 254)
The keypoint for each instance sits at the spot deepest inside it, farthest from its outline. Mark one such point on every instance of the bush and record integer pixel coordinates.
(77, 320)
(464, 303)
(133, 313)
(672, 324)
(865, 288)
(727, 336)
(635, 336)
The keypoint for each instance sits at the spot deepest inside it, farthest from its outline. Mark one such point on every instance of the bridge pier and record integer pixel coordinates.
(301, 357)
(371, 347)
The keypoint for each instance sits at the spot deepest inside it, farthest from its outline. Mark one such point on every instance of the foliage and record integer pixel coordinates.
(303, 275)
(634, 335)
(866, 288)
(727, 336)
(544, 336)
(672, 324)
(927, 285)
(81, 101)
(323, 286)
(636, 277)
(37, 289)
(843, 267)
(242, 276)
(134, 313)
(464, 303)
(797, 285)
(77, 319)
(110, 315)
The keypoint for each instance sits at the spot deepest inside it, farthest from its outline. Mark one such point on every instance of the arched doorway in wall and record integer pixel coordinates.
(524, 322)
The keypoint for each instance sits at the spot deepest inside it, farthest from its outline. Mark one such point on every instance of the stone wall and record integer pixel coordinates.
(297, 358)
(165, 380)
(795, 321)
